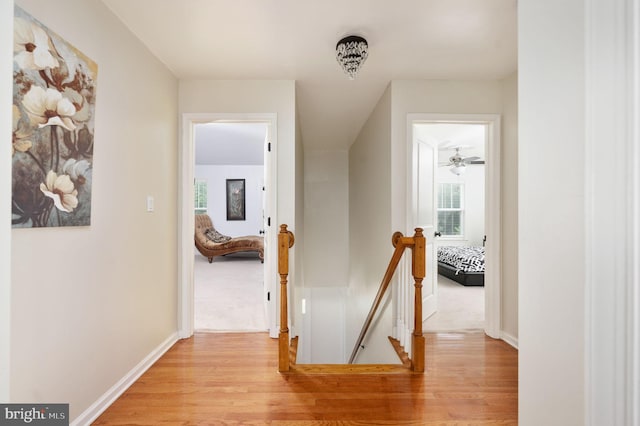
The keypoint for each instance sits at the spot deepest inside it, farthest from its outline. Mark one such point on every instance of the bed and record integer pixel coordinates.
(211, 243)
(462, 264)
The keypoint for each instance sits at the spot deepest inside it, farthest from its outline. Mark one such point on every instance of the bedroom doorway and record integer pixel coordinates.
(230, 162)
(455, 193)
(259, 195)
(460, 225)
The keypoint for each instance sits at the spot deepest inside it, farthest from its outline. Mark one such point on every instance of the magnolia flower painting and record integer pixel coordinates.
(54, 93)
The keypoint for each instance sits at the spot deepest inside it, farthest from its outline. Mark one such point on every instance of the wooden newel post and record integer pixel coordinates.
(418, 271)
(285, 242)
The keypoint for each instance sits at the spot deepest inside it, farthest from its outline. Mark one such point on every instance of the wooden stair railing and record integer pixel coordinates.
(286, 355)
(285, 242)
(417, 245)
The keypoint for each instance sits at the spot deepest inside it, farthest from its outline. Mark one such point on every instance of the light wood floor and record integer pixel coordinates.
(231, 379)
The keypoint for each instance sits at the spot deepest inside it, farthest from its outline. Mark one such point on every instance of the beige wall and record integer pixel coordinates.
(370, 228)
(296, 292)
(509, 188)
(92, 302)
(326, 211)
(551, 257)
(6, 67)
(326, 258)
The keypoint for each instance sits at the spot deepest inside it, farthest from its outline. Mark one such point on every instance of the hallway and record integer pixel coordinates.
(232, 379)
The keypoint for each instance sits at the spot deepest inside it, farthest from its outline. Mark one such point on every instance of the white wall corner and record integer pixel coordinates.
(109, 397)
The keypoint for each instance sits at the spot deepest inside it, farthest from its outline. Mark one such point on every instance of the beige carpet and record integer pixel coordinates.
(460, 308)
(229, 297)
(229, 293)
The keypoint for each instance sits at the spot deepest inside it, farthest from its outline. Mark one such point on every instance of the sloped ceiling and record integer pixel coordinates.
(295, 40)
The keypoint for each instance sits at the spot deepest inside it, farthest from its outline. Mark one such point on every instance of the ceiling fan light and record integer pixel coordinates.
(458, 170)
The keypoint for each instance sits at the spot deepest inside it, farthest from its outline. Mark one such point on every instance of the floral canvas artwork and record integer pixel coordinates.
(54, 92)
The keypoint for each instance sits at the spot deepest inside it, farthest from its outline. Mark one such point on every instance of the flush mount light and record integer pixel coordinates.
(351, 52)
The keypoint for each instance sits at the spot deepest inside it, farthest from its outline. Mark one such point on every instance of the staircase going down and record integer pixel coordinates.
(288, 347)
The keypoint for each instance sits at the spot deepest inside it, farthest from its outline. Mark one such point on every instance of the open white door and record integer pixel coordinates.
(269, 292)
(425, 162)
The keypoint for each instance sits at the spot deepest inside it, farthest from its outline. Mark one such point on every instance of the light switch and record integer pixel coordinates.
(149, 203)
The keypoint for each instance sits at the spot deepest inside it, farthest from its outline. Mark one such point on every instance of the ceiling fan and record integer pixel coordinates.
(458, 163)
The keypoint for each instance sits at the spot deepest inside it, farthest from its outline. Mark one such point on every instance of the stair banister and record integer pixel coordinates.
(393, 264)
(418, 268)
(417, 244)
(285, 242)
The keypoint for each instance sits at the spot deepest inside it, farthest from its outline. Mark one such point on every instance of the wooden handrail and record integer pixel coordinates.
(400, 242)
(393, 265)
(285, 242)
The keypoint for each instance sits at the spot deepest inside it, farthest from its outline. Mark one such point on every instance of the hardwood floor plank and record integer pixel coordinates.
(470, 379)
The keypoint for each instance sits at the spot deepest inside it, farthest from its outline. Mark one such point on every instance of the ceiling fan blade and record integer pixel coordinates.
(470, 159)
(477, 162)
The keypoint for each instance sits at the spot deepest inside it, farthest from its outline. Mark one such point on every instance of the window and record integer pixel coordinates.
(451, 209)
(200, 196)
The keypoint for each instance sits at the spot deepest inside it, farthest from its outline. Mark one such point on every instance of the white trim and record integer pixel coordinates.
(493, 229)
(186, 222)
(612, 185)
(633, 391)
(186, 218)
(110, 396)
(513, 341)
(493, 216)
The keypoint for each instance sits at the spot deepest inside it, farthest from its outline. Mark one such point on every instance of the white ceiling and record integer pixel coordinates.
(470, 138)
(295, 39)
(230, 143)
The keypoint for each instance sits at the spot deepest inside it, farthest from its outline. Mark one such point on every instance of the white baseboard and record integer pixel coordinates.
(98, 407)
(513, 341)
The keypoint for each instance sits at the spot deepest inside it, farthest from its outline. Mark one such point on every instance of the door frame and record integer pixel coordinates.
(493, 208)
(186, 220)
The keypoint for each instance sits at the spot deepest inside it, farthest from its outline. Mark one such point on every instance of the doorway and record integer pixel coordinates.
(459, 224)
(229, 161)
(424, 178)
(190, 124)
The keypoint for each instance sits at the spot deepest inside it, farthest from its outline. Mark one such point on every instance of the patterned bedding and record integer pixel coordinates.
(465, 259)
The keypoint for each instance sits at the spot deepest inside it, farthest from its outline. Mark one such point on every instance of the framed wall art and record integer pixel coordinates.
(235, 199)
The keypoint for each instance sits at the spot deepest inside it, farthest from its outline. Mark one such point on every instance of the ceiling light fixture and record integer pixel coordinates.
(351, 52)
(458, 169)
